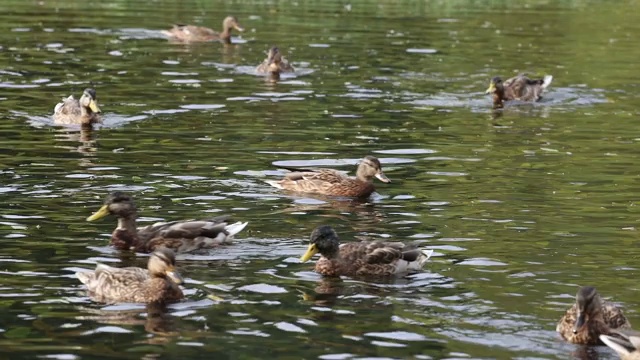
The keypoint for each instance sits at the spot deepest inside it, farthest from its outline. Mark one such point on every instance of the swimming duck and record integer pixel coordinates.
(627, 345)
(590, 317)
(517, 88)
(365, 258)
(157, 284)
(191, 33)
(274, 64)
(84, 111)
(333, 182)
(180, 236)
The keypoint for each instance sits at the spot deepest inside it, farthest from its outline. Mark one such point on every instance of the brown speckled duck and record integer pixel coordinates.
(82, 112)
(589, 318)
(156, 284)
(627, 345)
(274, 64)
(191, 33)
(365, 258)
(333, 182)
(517, 88)
(180, 236)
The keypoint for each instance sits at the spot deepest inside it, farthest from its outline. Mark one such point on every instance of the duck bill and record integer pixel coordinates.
(491, 89)
(238, 27)
(382, 177)
(580, 320)
(104, 211)
(174, 276)
(312, 250)
(93, 105)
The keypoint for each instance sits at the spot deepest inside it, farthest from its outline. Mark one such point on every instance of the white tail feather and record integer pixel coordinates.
(547, 81)
(614, 344)
(274, 183)
(235, 228)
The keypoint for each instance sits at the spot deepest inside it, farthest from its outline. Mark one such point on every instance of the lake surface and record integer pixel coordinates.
(521, 206)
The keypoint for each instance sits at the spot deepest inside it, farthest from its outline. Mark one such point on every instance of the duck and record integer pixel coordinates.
(192, 33)
(156, 284)
(627, 345)
(589, 318)
(180, 236)
(83, 112)
(333, 182)
(274, 64)
(519, 87)
(365, 258)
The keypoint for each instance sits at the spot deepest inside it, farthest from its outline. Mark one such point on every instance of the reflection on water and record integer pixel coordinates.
(522, 205)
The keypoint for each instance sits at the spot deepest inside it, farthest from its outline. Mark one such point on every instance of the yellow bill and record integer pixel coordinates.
(312, 250)
(104, 211)
(174, 275)
(491, 88)
(93, 105)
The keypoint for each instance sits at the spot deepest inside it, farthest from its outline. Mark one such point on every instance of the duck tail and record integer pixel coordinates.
(235, 228)
(426, 255)
(622, 347)
(274, 183)
(546, 81)
(85, 276)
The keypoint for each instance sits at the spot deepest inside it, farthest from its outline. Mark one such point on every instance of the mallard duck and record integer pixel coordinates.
(627, 345)
(191, 33)
(365, 258)
(333, 182)
(181, 236)
(274, 64)
(590, 317)
(84, 111)
(517, 88)
(157, 284)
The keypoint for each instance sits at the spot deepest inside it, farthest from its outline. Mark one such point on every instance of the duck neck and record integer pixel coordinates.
(498, 97)
(125, 236)
(362, 175)
(225, 36)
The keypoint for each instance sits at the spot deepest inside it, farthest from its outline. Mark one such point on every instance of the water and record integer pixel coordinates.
(521, 206)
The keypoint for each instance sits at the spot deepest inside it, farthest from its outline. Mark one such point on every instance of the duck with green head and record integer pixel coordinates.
(181, 236)
(364, 258)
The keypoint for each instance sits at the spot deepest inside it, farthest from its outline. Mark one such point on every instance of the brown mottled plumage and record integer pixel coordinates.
(365, 258)
(180, 236)
(156, 284)
(191, 33)
(333, 182)
(517, 88)
(84, 111)
(274, 64)
(627, 345)
(589, 318)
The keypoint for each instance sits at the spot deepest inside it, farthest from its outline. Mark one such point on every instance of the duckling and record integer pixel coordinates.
(158, 284)
(84, 111)
(517, 88)
(590, 317)
(365, 258)
(180, 236)
(274, 64)
(627, 345)
(191, 33)
(333, 182)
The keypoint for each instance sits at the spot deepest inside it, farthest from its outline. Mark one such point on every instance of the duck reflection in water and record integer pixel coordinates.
(157, 320)
(87, 144)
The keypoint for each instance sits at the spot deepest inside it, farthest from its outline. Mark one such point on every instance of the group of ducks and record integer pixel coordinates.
(85, 111)
(159, 283)
(589, 321)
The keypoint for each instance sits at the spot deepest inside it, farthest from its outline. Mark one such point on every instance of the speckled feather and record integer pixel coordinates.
(609, 319)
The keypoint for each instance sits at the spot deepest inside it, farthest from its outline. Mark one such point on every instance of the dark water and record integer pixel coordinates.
(522, 206)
